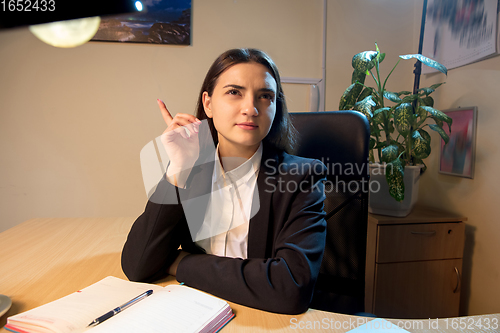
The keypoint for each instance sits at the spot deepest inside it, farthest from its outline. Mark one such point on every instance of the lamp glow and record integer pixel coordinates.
(69, 33)
(138, 5)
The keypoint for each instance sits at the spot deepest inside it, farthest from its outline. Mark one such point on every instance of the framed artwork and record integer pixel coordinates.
(163, 22)
(460, 32)
(457, 157)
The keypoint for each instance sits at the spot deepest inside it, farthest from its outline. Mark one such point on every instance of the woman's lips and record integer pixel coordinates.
(247, 126)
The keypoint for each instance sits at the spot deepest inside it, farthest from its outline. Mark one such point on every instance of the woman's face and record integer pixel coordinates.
(243, 106)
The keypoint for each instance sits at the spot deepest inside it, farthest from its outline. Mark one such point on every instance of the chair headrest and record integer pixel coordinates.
(332, 137)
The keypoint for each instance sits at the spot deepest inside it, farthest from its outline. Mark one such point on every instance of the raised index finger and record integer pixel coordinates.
(164, 112)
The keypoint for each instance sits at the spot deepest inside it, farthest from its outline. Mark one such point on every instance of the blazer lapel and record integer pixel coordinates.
(195, 197)
(260, 224)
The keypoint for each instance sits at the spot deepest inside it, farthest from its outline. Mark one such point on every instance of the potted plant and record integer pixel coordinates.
(399, 137)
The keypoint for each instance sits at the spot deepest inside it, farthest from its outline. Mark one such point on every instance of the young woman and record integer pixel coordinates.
(244, 222)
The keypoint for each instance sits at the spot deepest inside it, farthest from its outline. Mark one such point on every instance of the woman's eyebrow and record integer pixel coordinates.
(243, 88)
(268, 90)
(233, 86)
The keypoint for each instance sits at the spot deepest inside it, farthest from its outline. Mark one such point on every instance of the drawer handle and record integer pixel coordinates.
(429, 233)
(458, 281)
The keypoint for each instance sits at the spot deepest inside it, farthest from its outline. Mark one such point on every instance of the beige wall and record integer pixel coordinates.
(478, 199)
(72, 122)
(354, 26)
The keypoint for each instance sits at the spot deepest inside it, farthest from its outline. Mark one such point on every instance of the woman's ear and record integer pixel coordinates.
(207, 105)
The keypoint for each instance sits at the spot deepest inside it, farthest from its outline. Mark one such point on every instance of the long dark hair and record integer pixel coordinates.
(282, 133)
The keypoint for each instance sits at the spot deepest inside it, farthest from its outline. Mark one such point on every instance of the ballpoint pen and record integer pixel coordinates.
(119, 309)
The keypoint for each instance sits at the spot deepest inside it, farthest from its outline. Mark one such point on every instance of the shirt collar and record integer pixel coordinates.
(243, 173)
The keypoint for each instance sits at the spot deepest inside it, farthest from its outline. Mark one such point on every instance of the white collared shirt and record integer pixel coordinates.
(225, 228)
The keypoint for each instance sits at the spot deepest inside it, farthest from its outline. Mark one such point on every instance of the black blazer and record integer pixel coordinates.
(286, 238)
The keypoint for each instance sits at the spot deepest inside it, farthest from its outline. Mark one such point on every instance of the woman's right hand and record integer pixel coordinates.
(181, 144)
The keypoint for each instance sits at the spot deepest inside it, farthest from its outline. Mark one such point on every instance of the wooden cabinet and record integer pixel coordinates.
(414, 264)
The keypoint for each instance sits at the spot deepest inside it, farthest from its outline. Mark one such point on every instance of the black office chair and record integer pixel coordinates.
(340, 140)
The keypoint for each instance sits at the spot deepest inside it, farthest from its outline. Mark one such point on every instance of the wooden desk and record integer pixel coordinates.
(44, 259)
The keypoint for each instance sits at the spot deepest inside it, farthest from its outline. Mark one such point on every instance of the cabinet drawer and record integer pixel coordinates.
(418, 289)
(426, 241)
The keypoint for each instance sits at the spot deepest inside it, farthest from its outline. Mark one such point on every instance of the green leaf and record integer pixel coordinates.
(376, 112)
(409, 99)
(358, 76)
(429, 90)
(349, 96)
(374, 129)
(427, 101)
(404, 92)
(403, 118)
(380, 145)
(425, 135)
(426, 91)
(394, 174)
(422, 115)
(365, 93)
(363, 61)
(378, 117)
(372, 143)
(399, 144)
(381, 57)
(441, 132)
(393, 97)
(389, 153)
(426, 61)
(436, 114)
(421, 148)
(365, 106)
(435, 86)
(391, 127)
(343, 105)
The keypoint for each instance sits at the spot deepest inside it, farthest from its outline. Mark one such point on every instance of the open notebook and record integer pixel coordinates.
(174, 308)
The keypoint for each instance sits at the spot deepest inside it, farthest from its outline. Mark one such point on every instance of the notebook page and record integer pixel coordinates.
(173, 309)
(74, 312)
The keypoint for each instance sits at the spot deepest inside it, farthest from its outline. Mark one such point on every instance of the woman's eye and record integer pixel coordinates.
(233, 92)
(267, 96)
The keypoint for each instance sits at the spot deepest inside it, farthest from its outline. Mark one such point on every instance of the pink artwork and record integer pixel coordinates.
(457, 157)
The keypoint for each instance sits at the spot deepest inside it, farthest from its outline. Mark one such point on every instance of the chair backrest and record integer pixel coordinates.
(340, 140)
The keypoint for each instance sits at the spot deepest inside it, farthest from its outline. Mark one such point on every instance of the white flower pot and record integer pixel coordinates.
(380, 201)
